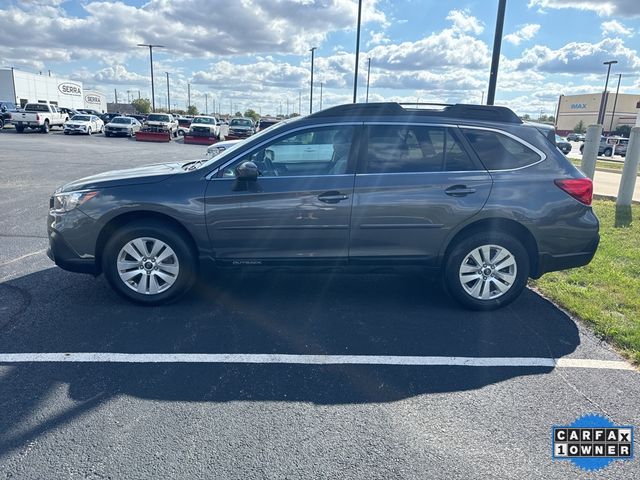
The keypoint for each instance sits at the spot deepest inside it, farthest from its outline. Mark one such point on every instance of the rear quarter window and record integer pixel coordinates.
(498, 151)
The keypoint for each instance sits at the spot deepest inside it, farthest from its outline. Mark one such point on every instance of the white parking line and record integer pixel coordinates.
(13, 260)
(266, 358)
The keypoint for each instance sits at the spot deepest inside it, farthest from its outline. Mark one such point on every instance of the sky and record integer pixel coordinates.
(255, 53)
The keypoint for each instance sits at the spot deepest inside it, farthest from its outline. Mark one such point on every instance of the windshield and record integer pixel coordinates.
(121, 120)
(221, 158)
(205, 120)
(240, 122)
(158, 118)
(81, 118)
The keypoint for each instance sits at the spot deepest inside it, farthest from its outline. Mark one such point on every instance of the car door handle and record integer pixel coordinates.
(459, 190)
(332, 197)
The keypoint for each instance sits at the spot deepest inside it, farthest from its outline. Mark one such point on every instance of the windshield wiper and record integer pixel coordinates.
(192, 165)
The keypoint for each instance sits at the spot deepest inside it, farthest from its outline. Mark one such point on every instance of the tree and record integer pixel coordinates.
(142, 105)
(525, 117)
(623, 131)
(192, 110)
(252, 114)
(579, 128)
(238, 114)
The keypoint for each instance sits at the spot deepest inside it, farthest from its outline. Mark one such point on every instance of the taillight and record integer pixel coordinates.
(37, 117)
(579, 188)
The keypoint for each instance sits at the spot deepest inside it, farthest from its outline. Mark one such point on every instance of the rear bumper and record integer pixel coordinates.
(551, 263)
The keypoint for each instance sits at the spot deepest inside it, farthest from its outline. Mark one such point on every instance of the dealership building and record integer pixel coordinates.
(620, 111)
(23, 87)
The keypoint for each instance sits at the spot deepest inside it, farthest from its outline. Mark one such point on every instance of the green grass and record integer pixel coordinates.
(606, 293)
(600, 163)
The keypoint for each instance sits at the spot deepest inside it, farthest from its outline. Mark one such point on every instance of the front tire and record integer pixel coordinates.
(148, 263)
(89, 131)
(608, 152)
(486, 270)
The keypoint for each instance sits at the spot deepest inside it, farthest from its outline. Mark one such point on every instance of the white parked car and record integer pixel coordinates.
(205, 126)
(219, 147)
(122, 126)
(87, 124)
(161, 122)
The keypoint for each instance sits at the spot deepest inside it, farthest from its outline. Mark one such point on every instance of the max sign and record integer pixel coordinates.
(70, 89)
(92, 99)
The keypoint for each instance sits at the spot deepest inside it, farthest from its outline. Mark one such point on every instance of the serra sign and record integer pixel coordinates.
(92, 99)
(70, 89)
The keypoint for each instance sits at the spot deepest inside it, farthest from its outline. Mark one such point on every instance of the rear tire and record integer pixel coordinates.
(19, 128)
(45, 127)
(173, 267)
(608, 152)
(89, 131)
(486, 270)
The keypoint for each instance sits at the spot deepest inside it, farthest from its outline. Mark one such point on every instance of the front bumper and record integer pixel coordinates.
(66, 257)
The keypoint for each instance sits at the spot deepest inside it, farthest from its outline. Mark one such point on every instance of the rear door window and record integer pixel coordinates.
(498, 151)
(414, 149)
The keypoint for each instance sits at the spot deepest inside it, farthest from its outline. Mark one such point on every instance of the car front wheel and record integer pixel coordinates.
(149, 263)
(486, 271)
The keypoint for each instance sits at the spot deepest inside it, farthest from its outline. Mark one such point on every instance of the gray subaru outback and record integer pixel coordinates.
(467, 192)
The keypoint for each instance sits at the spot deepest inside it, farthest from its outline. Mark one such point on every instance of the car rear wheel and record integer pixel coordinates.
(89, 131)
(608, 152)
(149, 263)
(45, 127)
(486, 271)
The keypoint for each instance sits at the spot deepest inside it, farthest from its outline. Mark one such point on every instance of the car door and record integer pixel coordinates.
(298, 209)
(415, 183)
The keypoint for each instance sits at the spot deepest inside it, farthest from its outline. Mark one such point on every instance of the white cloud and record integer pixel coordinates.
(613, 27)
(465, 22)
(525, 32)
(579, 57)
(377, 38)
(601, 7)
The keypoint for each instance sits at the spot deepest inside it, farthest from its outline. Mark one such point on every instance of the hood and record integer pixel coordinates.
(77, 123)
(131, 176)
(126, 125)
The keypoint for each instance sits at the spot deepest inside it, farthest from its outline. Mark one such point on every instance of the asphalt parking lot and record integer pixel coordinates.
(408, 409)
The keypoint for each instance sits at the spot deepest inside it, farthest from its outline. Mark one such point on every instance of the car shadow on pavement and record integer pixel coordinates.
(271, 312)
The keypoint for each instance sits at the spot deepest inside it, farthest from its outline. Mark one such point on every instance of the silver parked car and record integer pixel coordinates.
(122, 126)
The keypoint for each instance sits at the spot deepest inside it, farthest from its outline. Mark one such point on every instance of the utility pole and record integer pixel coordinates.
(482, 101)
(368, 75)
(495, 60)
(153, 99)
(602, 112)
(168, 95)
(288, 104)
(311, 87)
(206, 104)
(116, 94)
(320, 95)
(188, 95)
(615, 101)
(355, 75)
(299, 102)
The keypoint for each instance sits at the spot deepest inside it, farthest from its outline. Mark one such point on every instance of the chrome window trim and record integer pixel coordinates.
(211, 175)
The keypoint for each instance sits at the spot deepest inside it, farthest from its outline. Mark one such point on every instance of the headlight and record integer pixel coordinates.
(65, 202)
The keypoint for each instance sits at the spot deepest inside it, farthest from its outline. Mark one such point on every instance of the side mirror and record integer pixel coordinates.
(247, 171)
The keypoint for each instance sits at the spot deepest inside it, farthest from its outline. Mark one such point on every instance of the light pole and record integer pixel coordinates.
(603, 101)
(495, 60)
(188, 96)
(168, 94)
(368, 75)
(313, 49)
(151, 46)
(320, 95)
(206, 104)
(355, 74)
(615, 101)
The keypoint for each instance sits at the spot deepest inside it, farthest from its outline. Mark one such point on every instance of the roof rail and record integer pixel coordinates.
(458, 110)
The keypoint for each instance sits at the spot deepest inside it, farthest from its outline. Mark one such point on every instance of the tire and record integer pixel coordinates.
(66, 132)
(89, 131)
(19, 129)
(172, 277)
(1, 123)
(107, 134)
(102, 129)
(45, 127)
(582, 149)
(499, 285)
(608, 152)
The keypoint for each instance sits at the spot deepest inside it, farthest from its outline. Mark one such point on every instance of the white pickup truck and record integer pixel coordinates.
(40, 116)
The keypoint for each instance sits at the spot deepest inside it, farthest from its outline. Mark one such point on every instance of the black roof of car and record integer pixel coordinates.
(459, 110)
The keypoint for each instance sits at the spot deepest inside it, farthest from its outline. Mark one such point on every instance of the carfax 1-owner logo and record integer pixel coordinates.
(592, 442)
